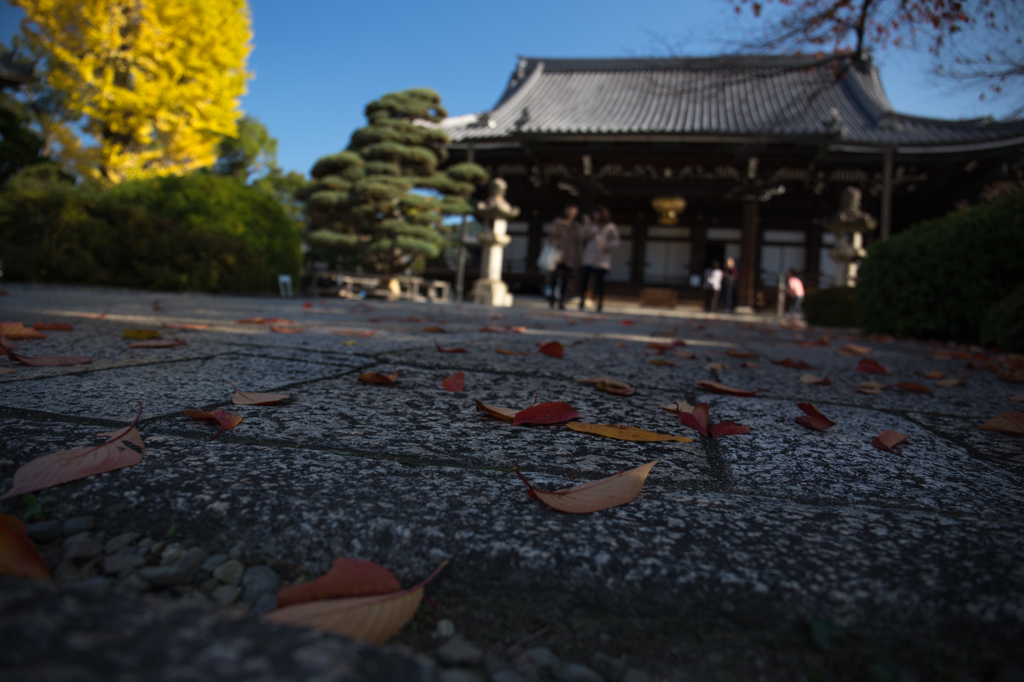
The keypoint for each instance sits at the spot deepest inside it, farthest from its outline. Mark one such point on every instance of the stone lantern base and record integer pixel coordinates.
(493, 292)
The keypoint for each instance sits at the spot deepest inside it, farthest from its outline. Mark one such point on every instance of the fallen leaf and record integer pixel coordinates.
(156, 305)
(793, 364)
(815, 380)
(16, 331)
(493, 330)
(553, 349)
(244, 398)
(379, 379)
(718, 366)
(546, 413)
(71, 465)
(934, 374)
(685, 355)
(503, 351)
(49, 360)
(434, 329)
(346, 578)
(750, 365)
(952, 381)
(53, 327)
(307, 305)
(727, 428)
(192, 327)
(869, 366)
(629, 433)
(696, 418)
(813, 418)
(733, 353)
(660, 348)
(585, 498)
(615, 387)
(18, 554)
(1007, 422)
(354, 332)
(227, 420)
(663, 363)
(140, 334)
(374, 619)
(913, 387)
(449, 350)
(889, 439)
(1017, 398)
(455, 383)
(716, 387)
(7, 370)
(1015, 375)
(628, 323)
(157, 343)
(851, 350)
(503, 413)
(681, 406)
(284, 329)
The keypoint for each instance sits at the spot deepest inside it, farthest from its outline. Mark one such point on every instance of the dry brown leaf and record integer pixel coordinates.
(1017, 398)
(934, 374)
(16, 331)
(815, 380)
(505, 351)
(347, 578)
(681, 406)
(629, 433)
(379, 379)
(354, 332)
(157, 343)
(244, 398)
(813, 418)
(373, 619)
(664, 363)
(851, 350)
(952, 381)
(716, 387)
(226, 420)
(503, 413)
(913, 387)
(434, 329)
(718, 366)
(18, 554)
(286, 329)
(53, 327)
(585, 498)
(889, 439)
(869, 388)
(140, 334)
(1007, 422)
(546, 413)
(733, 353)
(455, 383)
(615, 387)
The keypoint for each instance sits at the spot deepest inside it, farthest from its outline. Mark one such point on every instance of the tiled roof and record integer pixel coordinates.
(830, 98)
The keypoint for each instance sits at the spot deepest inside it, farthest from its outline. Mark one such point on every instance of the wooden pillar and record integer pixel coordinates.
(747, 285)
(886, 218)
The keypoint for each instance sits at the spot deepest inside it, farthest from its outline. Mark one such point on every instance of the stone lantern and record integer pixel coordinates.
(495, 213)
(849, 226)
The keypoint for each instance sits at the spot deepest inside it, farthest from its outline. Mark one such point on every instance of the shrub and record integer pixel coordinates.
(198, 233)
(938, 278)
(835, 307)
(1003, 325)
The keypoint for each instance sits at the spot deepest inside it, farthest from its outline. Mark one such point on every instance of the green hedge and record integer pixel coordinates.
(195, 233)
(835, 307)
(938, 278)
(1003, 326)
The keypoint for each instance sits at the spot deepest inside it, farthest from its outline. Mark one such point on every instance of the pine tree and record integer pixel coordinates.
(380, 203)
(158, 83)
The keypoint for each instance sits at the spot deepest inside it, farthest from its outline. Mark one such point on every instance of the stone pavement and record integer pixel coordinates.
(769, 533)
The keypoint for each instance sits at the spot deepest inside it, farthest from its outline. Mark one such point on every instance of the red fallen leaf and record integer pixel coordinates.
(552, 349)
(280, 329)
(793, 364)
(628, 323)
(1015, 375)
(434, 329)
(685, 355)
(889, 439)
(379, 379)
(53, 327)
(244, 398)
(449, 350)
(913, 387)
(869, 366)
(546, 413)
(18, 554)
(373, 619)
(814, 380)
(16, 331)
(227, 420)
(279, 320)
(716, 387)
(851, 350)
(71, 465)
(49, 360)
(455, 383)
(251, 320)
(727, 428)
(1007, 422)
(660, 348)
(503, 413)
(813, 418)
(346, 578)
(733, 353)
(750, 365)
(192, 327)
(307, 305)
(696, 419)
(354, 332)
(504, 351)
(157, 343)
(585, 498)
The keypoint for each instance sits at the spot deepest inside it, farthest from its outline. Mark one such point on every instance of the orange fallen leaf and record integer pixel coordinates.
(503, 413)
(869, 366)
(664, 363)
(449, 350)
(716, 387)
(813, 418)
(53, 327)
(1007, 422)
(16, 331)
(793, 364)
(157, 343)
(374, 619)
(354, 332)
(546, 413)
(553, 349)
(227, 420)
(952, 381)
(815, 380)
(245, 398)
(504, 351)
(629, 433)
(585, 498)
(140, 334)
(346, 578)
(851, 350)
(71, 465)
(18, 554)
(455, 383)
(434, 329)
(913, 387)
(934, 374)
(889, 439)
(283, 329)
(378, 378)
(192, 327)
(733, 353)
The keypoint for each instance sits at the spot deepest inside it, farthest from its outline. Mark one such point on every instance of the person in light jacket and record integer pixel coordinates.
(565, 236)
(600, 238)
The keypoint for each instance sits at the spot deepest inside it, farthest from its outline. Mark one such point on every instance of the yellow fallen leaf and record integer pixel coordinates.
(585, 498)
(630, 433)
(504, 413)
(681, 406)
(373, 619)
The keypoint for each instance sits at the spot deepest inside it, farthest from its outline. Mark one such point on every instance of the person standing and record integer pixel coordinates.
(730, 275)
(600, 238)
(565, 236)
(712, 286)
(794, 295)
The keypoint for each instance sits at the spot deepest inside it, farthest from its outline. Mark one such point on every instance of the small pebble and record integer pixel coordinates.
(145, 543)
(81, 546)
(268, 602)
(120, 562)
(96, 583)
(543, 656)
(44, 531)
(636, 675)
(78, 524)
(575, 672)
(612, 669)
(445, 628)
(258, 581)
(208, 586)
(506, 675)
(457, 651)
(214, 561)
(225, 595)
(230, 572)
(236, 551)
(171, 553)
(157, 548)
(179, 573)
(116, 544)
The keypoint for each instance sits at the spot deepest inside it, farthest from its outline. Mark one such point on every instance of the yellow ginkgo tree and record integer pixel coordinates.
(158, 83)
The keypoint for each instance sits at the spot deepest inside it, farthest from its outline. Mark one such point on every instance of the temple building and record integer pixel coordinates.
(708, 158)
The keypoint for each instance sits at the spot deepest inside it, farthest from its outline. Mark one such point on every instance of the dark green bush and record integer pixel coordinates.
(1003, 326)
(835, 307)
(938, 278)
(196, 233)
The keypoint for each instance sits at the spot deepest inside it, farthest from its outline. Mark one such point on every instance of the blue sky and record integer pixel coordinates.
(318, 62)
